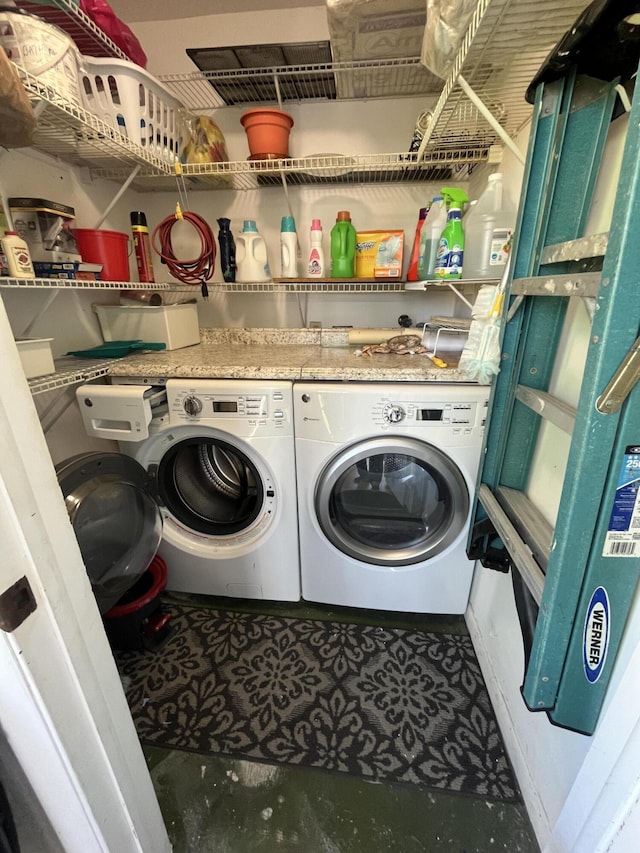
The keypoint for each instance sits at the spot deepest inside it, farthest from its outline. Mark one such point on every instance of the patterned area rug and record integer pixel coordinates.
(381, 703)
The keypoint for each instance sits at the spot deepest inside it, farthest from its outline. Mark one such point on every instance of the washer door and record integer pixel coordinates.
(391, 501)
(210, 486)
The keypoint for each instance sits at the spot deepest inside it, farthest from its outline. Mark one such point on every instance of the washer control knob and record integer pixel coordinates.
(192, 406)
(393, 414)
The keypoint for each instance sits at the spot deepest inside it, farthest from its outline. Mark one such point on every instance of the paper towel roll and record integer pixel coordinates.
(372, 336)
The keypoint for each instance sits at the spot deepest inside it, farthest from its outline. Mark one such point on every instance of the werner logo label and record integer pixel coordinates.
(596, 635)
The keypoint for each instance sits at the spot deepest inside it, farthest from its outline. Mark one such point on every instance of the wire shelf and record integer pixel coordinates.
(89, 38)
(322, 170)
(506, 43)
(76, 284)
(69, 371)
(357, 80)
(68, 131)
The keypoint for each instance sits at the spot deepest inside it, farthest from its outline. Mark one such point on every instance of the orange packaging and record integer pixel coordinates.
(379, 254)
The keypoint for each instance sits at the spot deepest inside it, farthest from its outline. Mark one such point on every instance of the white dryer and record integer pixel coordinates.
(220, 461)
(386, 475)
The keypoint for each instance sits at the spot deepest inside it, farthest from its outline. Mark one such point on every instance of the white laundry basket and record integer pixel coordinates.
(132, 101)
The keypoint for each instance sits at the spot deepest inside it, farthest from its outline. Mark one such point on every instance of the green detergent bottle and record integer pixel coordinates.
(451, 248)
(343, 247)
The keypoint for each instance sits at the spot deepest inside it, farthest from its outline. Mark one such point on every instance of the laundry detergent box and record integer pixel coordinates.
(379, 254)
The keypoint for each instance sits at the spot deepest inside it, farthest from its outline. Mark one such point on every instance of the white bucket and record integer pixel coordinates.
(44, 51)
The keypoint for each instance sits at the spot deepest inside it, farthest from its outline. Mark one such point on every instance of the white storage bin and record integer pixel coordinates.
(174, 325)
(133, 102)
(35, 355)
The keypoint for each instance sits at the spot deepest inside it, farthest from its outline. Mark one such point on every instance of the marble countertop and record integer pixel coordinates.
(291, 354)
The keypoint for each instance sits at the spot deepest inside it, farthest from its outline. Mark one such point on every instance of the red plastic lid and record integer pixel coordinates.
(343, 216)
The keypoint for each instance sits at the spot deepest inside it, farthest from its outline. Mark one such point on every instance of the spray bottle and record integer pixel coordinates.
(430, 238)
(412, 272)
(451, 248)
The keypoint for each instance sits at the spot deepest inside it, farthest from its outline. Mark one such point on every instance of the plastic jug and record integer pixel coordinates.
(288, 247)
(433, 226)
(488, 228)
(343, 247)
(252, 263)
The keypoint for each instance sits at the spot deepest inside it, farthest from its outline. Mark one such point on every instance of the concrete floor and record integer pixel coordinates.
(213, 803)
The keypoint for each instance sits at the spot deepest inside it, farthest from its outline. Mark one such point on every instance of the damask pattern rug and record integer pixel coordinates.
(378, 702)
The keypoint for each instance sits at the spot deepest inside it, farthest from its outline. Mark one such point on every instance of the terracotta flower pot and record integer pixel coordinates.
(267, 132)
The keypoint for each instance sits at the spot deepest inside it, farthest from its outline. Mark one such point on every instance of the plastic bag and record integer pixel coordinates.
(206, 144)
(104, 17)
(17, 119)
(447, 22)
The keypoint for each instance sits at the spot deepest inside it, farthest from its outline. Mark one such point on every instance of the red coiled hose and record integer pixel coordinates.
(197, 270)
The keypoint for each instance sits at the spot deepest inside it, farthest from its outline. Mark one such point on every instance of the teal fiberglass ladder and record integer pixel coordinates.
(582, 573)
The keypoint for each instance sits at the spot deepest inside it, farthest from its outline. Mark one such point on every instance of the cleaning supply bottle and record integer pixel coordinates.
(315, 266)
(251, 254)
(488, 231)
(412, 271)
(17, 256)
(430, 237)
(343, 247)
(141, 245)
(450, 253)
(288, 247)
(227, 250)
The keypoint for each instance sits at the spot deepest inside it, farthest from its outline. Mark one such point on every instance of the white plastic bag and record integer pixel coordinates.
(447, 22)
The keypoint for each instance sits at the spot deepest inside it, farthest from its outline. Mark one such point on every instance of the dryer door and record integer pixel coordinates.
(392, 501)
(210, 485)
(117, 522)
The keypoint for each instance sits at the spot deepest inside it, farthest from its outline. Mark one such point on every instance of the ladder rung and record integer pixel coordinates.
(519, 551)
(594, 246)
(530, 523)
(573, 284)
(550, 408)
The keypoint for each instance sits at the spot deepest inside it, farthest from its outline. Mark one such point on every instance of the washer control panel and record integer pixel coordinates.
(225, 403)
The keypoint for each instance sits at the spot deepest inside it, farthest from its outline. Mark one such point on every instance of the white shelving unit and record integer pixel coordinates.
(506, 43)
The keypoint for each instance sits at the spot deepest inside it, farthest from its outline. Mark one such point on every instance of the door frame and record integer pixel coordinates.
(68, 722)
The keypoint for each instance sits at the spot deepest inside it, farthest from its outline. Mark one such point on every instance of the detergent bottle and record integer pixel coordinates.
(488, 231)
(251, 254)
(430, 237)
(315, 266)
(343, 247)
(288, 247)
(450, 253)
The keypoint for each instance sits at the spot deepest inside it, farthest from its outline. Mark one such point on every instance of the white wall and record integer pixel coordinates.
(548, 760)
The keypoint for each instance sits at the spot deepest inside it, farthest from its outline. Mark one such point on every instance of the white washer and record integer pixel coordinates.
(221, 464)
(386, 476)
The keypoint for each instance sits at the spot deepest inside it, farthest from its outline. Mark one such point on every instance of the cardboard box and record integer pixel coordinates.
(379, 254)
(378, 29)
(43, 225)
(78, 270)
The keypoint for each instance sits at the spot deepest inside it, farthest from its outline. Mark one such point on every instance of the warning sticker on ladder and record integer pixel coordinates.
(623, 533)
